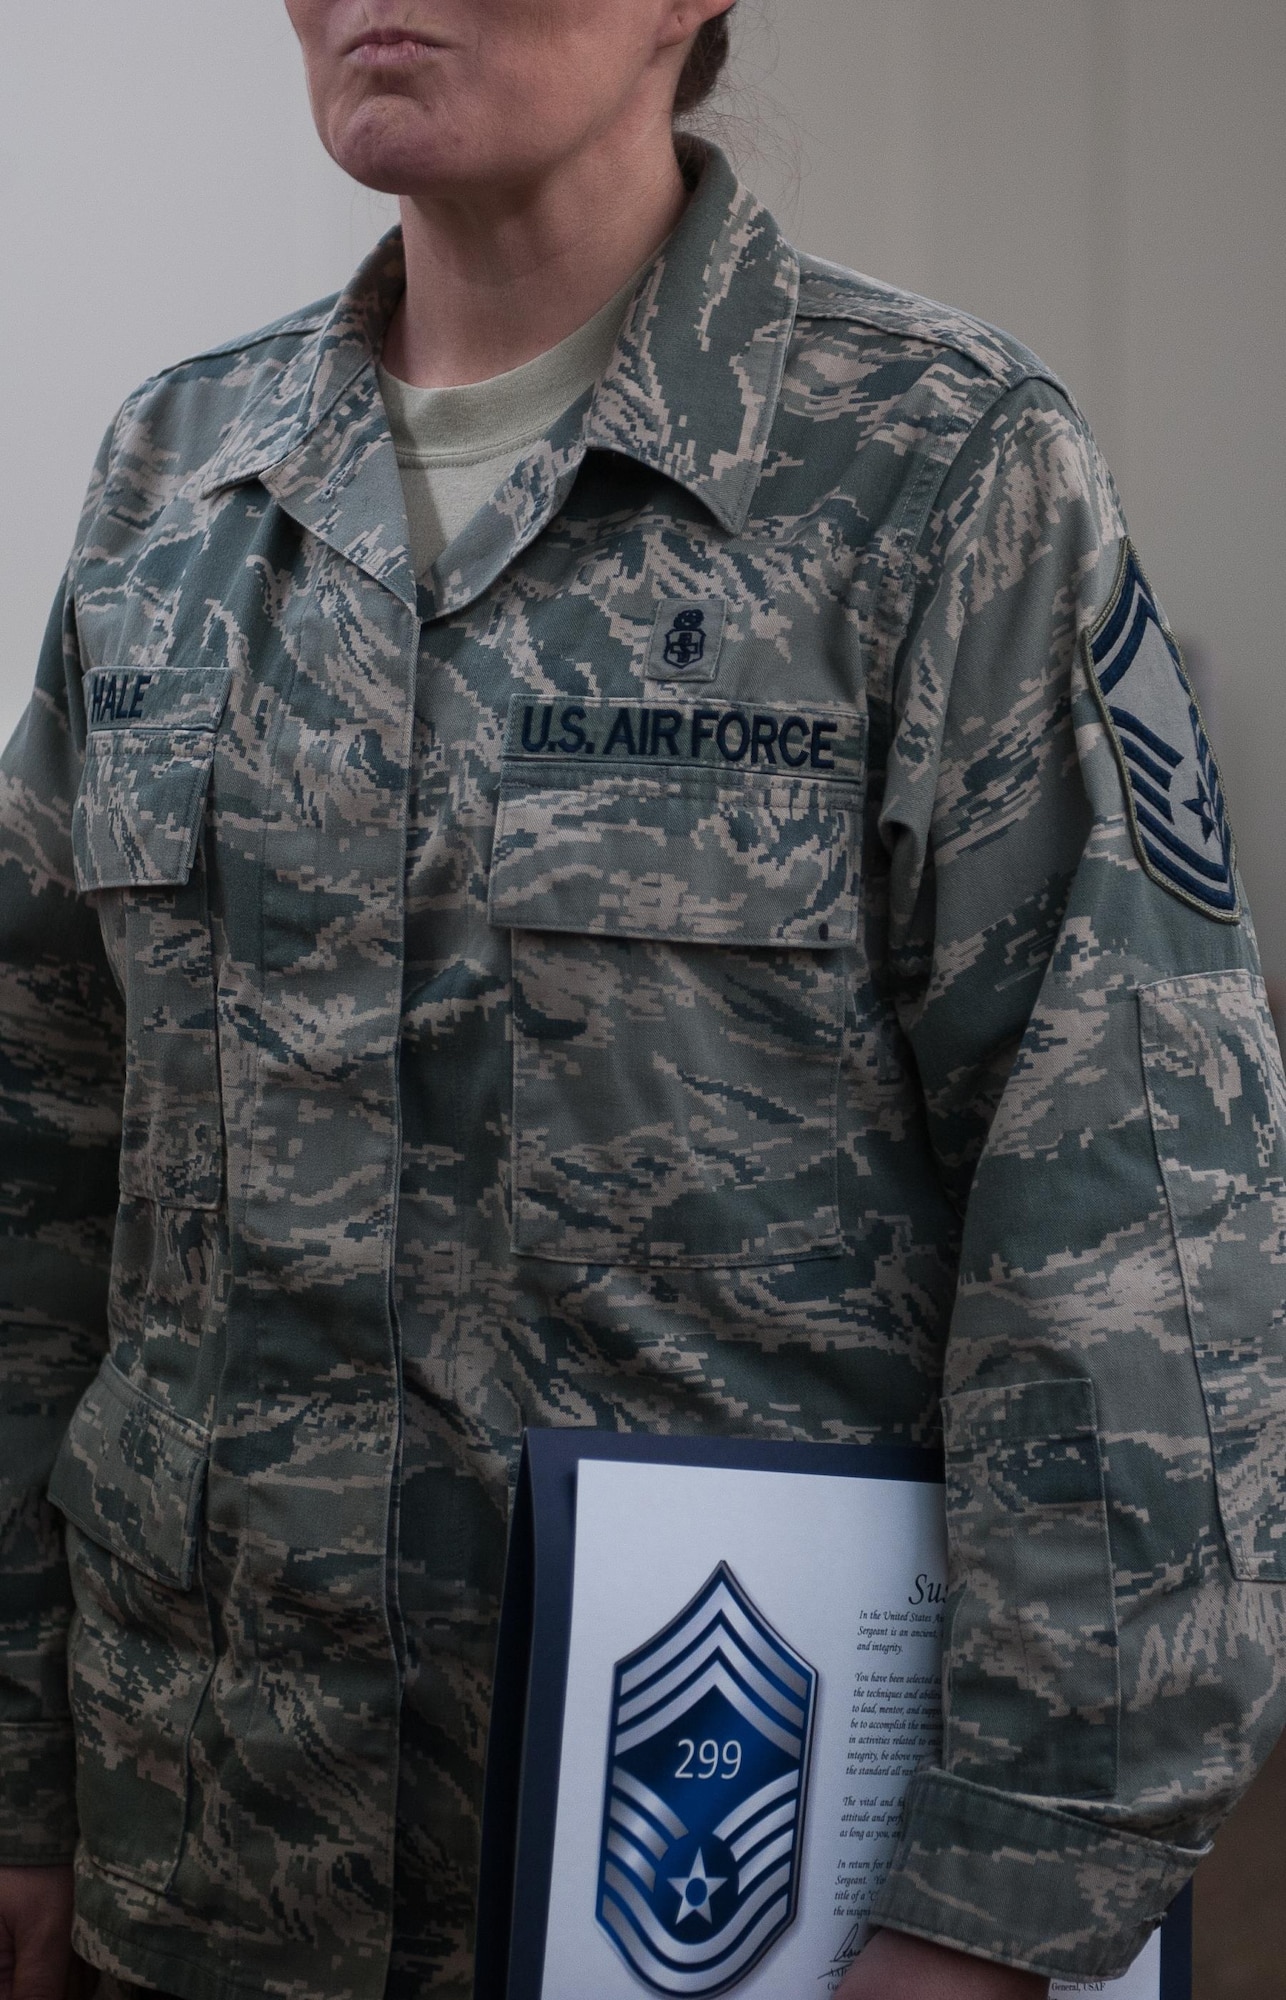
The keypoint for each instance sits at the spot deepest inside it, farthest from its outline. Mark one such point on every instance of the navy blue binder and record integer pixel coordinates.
(527, 1725)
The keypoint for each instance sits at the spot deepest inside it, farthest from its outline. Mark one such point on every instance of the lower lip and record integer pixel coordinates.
(391, 55)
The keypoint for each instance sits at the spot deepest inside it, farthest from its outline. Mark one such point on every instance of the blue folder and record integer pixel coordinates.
(524, 1750)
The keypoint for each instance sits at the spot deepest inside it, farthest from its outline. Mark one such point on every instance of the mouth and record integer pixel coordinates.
(387, 47)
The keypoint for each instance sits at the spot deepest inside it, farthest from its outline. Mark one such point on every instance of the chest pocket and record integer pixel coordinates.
(136, 836)
(680, 887)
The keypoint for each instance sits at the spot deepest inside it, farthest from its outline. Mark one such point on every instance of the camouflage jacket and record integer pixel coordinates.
(715, 958)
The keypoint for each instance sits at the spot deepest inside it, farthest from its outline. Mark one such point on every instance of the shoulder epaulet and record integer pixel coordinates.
(828, 291)
(306, 320)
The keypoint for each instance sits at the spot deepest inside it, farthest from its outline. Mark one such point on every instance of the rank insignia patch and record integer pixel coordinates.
(1172, 783)
(707, 1772)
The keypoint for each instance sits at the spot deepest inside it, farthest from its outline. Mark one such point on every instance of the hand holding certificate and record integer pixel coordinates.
(894, 1967)
(720, 1667)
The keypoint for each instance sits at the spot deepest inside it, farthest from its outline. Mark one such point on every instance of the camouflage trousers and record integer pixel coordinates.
(111, 1988)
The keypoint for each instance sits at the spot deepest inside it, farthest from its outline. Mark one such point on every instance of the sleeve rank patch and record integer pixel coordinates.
(1172, 784)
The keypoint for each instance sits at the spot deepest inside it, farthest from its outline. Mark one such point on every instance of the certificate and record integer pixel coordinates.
(719, 1667)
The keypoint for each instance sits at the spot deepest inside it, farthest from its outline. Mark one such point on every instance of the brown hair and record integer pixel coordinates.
(704, 66)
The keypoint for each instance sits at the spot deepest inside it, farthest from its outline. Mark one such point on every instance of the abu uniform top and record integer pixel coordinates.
(705, 962)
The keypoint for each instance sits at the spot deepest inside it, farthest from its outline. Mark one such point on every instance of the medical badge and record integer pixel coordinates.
(707, 1771)
(685, 642)
(1172, 782)
(686, 639)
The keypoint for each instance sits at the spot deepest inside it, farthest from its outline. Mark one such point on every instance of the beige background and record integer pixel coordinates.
(1107, 178)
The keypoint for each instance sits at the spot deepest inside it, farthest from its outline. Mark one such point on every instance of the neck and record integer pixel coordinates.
(498, 275)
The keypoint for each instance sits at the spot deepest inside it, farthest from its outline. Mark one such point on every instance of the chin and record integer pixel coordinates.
(394, 146)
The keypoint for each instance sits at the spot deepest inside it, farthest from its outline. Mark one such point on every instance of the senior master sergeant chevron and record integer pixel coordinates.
(713, 912)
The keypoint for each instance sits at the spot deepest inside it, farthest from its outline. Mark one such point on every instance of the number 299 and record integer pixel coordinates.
(714, 1760)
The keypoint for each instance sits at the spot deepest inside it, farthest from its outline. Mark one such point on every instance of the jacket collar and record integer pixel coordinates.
(691, 391)
(318, 437)
(693, 386)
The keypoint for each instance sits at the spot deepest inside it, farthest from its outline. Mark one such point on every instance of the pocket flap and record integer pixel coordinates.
(148, 757)
(687, 823)
(1037, 1440)
(1217, 1101)
(1033, 1653)
(130, 1476)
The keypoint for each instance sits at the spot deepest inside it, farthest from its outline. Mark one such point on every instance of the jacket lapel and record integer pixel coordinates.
(319, 439)
(691, 392)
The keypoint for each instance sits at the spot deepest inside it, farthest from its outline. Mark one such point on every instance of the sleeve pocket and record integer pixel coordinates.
(130, 1476)
(130, 1481)
(1217, 1101)
(1033, 1678)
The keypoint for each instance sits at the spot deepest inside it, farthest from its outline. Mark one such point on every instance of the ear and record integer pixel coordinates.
(682, 20)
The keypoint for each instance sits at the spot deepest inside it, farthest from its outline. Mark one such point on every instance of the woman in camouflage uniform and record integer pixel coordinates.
(727, 922)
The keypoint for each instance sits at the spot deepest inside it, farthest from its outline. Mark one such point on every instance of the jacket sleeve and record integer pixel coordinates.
(1106, 1102)
(61, 1068)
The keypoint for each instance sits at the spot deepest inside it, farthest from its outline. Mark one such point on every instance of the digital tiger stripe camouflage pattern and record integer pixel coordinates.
(433, 1010)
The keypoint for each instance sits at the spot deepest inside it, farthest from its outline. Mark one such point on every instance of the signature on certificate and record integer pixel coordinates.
(853, 1940)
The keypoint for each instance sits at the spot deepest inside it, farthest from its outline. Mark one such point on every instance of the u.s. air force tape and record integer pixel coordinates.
(656, 736)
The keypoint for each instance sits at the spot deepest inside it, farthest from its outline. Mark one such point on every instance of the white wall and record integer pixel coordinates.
(161, 188)
(1105, 177)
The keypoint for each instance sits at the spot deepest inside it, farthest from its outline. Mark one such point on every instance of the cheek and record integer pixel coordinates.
(546, 73)
(314, 25)
(546, 97)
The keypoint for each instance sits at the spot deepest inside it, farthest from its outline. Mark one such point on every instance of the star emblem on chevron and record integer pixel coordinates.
(710, 1735)
(1175, 795)
(695, 1890)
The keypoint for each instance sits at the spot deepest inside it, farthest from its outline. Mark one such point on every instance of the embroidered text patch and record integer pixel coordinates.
(803, 743)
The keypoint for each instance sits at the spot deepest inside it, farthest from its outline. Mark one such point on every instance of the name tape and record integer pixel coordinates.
(118, 697)
(648, 734)
(180, 698)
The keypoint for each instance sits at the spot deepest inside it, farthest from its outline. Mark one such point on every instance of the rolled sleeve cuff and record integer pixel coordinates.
(1026, 1885)
(37, 1794)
